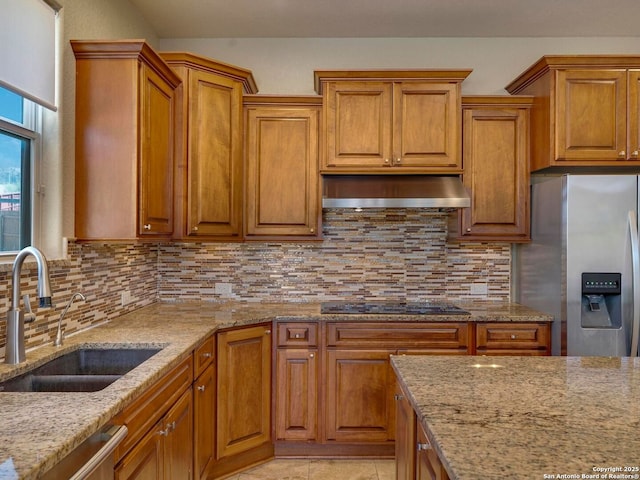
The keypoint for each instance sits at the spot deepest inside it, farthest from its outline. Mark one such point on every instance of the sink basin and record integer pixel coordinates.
(83, 370)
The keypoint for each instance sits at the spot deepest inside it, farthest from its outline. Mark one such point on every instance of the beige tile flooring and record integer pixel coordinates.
(287, 469)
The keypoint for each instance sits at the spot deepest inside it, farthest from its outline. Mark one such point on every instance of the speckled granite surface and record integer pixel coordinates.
(39, 429)
(528, 418)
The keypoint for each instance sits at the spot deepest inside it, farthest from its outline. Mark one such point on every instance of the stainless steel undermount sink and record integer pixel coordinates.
(83, 370)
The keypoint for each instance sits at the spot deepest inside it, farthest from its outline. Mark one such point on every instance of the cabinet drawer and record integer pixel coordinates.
(510, 336)
(151, 406)
(203, 356)
(297, 334)
(445, 335)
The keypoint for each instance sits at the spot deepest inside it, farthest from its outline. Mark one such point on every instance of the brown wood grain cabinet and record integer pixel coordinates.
(416, 459)
(282, 180)
(496, 170)
(209, 166)
(513, 338)
(297, 381)
(124, 134)
(243, 412)
(159, 444)
(402, 121)
(586, 110)
(204, 403)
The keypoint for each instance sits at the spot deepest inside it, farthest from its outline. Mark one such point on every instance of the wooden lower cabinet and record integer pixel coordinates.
(405, 437)
(165, 451)
(428, 464)
(296, 395)
(513, 339)
(415, 457)
(359, 400)
(204, 435)
(243, 411)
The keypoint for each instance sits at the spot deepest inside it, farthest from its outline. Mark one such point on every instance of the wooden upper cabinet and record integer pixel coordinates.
(125, 106)
(496, 169)
(282, 179)
(209, 168)
(585, 112)
(391, 121)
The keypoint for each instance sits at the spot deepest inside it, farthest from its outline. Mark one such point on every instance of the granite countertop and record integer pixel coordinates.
(38, 429)
(528, 417)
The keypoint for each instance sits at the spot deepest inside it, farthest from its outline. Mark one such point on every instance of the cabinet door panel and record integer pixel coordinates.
(296, 394)
(428, 465)
(426, 132)
(634, 115)
(282, 171)
(496, 174)
(405, 437)
(244, 389)
(204, 402)
(178, 443)
(215, 155)
(360, 405)
(358, 124)
(156, 162)
(591, 119)
(145, 461)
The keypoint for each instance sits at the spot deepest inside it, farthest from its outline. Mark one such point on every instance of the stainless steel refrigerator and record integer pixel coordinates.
(583, 264)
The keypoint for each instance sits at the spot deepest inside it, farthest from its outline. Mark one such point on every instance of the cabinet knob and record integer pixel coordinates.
(398, 161)
(195, 229)
(147, 226)
(206, 355)
(469, 230)
(622, 153)
(311, 355)
(201, 388)
(386, 161)
(267, 332)
(513, 337)
(297, 335)
(312, 230)
(424, 446)
(634, 153)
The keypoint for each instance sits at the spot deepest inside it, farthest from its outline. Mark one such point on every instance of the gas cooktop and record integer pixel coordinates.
(392, 308)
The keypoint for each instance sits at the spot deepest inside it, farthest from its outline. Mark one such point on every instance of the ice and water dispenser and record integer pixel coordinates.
(601, 300)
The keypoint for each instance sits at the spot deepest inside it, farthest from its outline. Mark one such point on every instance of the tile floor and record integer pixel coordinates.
(286, 469)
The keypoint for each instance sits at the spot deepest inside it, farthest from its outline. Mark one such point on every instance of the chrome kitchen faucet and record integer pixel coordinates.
(60, 335)
(14, 351)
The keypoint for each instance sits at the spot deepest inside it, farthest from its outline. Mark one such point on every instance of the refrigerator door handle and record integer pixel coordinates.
(635, 264)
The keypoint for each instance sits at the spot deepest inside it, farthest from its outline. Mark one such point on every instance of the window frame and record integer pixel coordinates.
(29, 129)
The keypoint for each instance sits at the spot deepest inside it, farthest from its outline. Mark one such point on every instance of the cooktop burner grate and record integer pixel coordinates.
(391, 308)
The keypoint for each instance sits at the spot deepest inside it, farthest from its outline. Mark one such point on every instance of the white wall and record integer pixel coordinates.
(286, 65)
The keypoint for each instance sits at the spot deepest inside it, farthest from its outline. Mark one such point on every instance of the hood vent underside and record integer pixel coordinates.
(393, 191)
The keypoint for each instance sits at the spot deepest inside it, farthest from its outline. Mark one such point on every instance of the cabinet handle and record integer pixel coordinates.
(170, 428)
(147, 226)
(201, 388)
(206, 355)
(622, 153)
(398, 397)
(424, 446)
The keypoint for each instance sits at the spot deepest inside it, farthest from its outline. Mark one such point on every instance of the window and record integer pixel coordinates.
(18, 154)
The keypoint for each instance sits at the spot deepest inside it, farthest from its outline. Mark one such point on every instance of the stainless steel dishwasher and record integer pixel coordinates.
(92, 459)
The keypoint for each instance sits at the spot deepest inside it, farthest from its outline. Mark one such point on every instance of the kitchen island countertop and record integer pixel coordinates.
(38, 430)
(528, 417)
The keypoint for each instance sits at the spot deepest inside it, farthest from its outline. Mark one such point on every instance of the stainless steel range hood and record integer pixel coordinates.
(393, 191)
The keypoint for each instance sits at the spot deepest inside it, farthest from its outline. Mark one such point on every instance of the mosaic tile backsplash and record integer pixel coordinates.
(375, 254)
